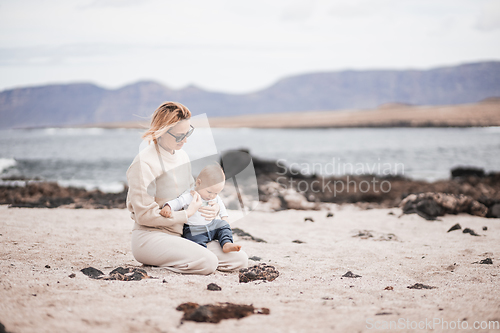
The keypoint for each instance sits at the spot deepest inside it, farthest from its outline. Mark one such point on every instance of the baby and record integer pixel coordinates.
(209, 184)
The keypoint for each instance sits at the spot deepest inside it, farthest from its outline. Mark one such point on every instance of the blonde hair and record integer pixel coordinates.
(165, 116)
(212, 174)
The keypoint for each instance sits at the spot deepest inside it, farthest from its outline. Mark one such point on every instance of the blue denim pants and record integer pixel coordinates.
(215, 230)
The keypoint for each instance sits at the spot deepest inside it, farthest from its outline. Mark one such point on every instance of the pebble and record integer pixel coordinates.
(455, 227)
(420, 286)
(470, 231)
(213, 287)
(350, 274)
(486, 261)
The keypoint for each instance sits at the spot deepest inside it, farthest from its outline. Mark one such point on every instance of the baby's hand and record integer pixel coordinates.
(166, 211)
(194, 205)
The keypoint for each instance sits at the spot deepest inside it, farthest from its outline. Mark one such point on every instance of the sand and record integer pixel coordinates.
(485, 113)
(395, 115)
(308, 296)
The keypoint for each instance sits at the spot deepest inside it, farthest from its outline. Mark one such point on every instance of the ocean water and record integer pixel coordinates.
(98, 158)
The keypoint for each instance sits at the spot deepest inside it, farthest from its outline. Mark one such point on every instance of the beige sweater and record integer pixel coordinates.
(151, 185)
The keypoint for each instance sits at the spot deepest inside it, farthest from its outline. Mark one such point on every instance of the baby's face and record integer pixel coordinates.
(208, 193)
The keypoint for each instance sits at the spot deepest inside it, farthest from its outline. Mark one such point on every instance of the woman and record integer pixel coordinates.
(161, 172)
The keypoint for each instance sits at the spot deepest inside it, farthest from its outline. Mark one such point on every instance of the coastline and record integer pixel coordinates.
(482, 114)
(281, 188)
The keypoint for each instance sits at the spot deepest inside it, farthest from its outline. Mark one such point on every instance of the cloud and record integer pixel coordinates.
(489, 18)
(357, 8)
(298, 10)
(113, 3)
(57, 55)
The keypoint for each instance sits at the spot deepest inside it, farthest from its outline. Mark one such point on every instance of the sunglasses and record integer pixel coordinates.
(179, 138)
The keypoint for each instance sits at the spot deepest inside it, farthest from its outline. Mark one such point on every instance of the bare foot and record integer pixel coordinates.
(229, 247)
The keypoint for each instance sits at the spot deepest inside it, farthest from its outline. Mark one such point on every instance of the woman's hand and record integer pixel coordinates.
(210, 212)
(194, 205)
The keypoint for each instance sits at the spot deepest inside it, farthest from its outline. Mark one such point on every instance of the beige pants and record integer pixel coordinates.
(180, 255)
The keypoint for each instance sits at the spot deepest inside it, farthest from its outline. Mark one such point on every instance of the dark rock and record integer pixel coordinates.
(92, 272)
(389, 288)
(391, 213)
(255, 258)
(426, 208)
(47, 266)
(470, 231)
(308, 219)
(350, 274)
(72, 275)
(329, 215)
(214, 313)
(213, 287)
(383, 313)
(2, 329)
(486, 261)
(298, 241)
(494, 210)
(467, 172)
(420, 286)
(245, 235)
(485, 228)
(455, 227)
(258, 272)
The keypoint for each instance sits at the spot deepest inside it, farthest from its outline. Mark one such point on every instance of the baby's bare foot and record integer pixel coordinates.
(229, 247)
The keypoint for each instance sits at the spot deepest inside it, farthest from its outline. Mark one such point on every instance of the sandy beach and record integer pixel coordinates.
(41, 248)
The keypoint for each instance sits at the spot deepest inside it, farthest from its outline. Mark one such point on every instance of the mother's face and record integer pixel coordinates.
(168, 140)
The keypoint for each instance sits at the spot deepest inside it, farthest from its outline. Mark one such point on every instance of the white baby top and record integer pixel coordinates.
(185, 199)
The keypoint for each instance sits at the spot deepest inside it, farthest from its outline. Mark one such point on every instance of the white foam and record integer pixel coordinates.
(12, 183)
(88, 185)
(74, 131)
(6, 163)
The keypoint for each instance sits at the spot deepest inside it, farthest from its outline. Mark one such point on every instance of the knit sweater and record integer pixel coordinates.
(155, 177)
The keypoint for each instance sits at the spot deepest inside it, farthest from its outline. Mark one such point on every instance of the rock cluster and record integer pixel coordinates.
(120, 273)
(214, 313)
(258, 272)
(431, 205)
(51, 195)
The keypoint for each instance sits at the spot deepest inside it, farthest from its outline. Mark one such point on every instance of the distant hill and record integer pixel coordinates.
(84, 103)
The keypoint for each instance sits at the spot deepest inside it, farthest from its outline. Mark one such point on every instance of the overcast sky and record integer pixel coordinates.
(235, 46)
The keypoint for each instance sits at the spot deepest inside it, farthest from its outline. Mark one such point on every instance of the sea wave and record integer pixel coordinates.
(89, 185)
(73, 131)
(6, 163)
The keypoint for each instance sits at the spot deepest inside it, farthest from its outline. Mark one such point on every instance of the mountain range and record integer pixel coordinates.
(86, 103)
